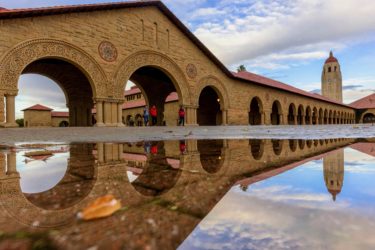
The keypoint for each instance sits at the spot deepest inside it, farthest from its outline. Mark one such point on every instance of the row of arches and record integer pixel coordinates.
(296, 115)
(86, 86)
(257, 146)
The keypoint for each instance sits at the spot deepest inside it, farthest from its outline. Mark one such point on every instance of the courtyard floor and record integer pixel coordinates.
(130, 134)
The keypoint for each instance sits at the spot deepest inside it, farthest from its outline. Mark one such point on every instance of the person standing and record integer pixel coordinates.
(181, 116)
(146, 115)
(154, 115)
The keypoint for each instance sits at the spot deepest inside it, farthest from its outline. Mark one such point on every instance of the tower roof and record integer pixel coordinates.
(331, 58)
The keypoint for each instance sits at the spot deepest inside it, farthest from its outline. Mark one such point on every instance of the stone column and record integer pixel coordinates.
(2, 106)
(191, 115)
(281, 119)
(10, 112)
(100, 150)
(11, 163)
(114, 114)
(2, 164)
(262, 122)
(119, 115)
(224, 113)
(99, 114)
(267, 117)
(107, 114)
(295, 120)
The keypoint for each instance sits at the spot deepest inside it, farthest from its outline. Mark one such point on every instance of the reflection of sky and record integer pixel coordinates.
(295, 211)
(131, 176)
(39, 176)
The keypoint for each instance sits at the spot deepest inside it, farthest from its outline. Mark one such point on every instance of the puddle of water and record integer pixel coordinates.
(212, 194)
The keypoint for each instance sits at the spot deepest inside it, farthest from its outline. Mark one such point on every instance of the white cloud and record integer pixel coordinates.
(263, 28)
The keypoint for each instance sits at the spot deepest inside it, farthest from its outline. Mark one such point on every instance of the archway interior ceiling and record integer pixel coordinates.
(73, 82)
(154, 82)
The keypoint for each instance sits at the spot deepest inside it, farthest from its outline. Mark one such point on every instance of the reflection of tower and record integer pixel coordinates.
(333, 165)
(332, 79)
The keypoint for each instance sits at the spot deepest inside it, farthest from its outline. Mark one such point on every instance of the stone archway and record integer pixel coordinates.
(146, 64)
(256, 112)
(277, 114)
(212, 83)
(369, 118)
(17, 59)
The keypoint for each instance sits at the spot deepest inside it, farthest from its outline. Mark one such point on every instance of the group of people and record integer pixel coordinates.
(153, 112)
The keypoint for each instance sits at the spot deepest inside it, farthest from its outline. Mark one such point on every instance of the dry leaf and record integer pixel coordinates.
(102, 207)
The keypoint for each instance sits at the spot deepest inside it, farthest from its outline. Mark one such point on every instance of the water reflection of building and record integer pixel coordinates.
(166, 201)
(333, 165)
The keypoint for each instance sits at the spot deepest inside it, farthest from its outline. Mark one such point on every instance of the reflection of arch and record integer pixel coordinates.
(81, 172)
(257, 148)
(301, 144)
(209, 111)
(25, 208)
(156, 60)
(157, 176)
(277, 146)
(256, 110)
(211, 155)
(276, 113)
(293, 145)
(309, 143)
(292, 114)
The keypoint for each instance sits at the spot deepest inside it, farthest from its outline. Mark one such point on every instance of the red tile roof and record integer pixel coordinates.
(60, 114)
(331, 58)
(244, 75)
(22, 13)
(132, 91)
(365, 147)
(38, 107)
(367, 102)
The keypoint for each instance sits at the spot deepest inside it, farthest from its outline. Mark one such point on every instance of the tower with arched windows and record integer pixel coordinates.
(332, 79)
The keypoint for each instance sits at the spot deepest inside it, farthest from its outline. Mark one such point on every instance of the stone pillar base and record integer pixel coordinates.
(9, 125)
(99, 124)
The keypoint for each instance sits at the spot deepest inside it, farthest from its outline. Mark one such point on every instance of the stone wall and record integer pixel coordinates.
(57, 120)
(37, 118)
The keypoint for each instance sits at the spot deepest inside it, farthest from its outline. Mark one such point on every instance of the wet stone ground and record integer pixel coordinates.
(189, 194)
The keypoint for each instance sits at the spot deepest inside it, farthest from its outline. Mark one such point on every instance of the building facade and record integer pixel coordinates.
(42, 116)
(143, 42)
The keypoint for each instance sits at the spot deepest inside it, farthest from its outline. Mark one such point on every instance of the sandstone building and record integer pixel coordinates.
(92, 51)
(42, 116)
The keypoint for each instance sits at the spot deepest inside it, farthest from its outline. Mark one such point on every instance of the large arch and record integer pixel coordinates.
(292, 114)
(276, 114)
(256, 111)
(30, 56)
(155, 60)
(209, 111)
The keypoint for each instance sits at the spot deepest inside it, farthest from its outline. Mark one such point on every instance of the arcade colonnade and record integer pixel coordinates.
(208, 100)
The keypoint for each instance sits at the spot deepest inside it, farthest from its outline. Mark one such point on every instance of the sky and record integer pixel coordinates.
(287, 40)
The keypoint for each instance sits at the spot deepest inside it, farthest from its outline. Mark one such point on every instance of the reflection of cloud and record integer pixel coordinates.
(244, 222)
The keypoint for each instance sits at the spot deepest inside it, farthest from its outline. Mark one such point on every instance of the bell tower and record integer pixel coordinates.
(332, 79)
